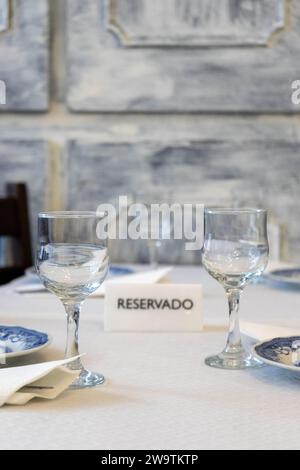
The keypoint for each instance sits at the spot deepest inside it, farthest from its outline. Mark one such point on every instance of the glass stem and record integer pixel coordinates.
(234, 342)
(72, 347)
(154, 246)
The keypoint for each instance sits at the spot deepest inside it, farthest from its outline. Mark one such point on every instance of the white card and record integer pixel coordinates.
(156, 307)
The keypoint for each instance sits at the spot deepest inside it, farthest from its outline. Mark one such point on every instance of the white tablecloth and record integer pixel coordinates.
(159, 395)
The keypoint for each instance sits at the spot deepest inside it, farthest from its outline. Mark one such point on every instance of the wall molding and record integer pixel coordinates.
(195, 23)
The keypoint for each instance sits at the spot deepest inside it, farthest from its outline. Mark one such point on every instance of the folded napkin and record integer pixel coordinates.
(29, 287)
(144, 277)
(261, 332)
(19, 385)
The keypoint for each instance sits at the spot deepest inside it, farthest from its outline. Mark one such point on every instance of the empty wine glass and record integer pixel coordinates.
(235, 252)
(158, 229)
(164, 230)
(72, 262)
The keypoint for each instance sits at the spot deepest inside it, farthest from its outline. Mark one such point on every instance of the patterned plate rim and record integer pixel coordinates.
(268, 361)
(274, 276)
(26, 352)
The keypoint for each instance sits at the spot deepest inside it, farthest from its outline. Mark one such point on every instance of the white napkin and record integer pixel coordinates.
(30, 288)
(262, 332)
(19, 385)
(144, 277)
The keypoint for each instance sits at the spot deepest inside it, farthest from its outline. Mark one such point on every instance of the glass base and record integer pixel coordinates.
(87, 379)
(236, 361)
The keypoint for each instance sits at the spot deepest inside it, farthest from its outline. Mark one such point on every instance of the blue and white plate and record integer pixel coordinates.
(280, 352)
(16, 341)
(284, 278)
(119, 271)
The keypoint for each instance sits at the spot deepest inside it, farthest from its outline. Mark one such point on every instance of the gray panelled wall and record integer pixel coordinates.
(109, 97)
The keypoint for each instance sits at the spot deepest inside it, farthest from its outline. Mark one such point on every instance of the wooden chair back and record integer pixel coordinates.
(14, 224)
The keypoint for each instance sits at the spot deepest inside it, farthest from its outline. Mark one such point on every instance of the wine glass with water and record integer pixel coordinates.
(235, 252)
(72, 263)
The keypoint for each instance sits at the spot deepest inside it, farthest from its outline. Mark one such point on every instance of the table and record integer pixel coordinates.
(159, 394)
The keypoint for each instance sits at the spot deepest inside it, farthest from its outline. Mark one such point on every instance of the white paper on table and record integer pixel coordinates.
(19, 385)
(145, 277)
(127, 307)
(279, 265)
(30, 288)
(262, 332)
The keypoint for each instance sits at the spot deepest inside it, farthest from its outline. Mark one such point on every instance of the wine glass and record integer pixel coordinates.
(157, 229)
(235, 252)
(72, 262)
(164, 230)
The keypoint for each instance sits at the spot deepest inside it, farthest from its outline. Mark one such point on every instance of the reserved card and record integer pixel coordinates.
(155, 307)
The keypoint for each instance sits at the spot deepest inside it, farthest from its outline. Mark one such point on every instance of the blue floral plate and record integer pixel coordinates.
(120, 271)
(280, 352)
(17, 341)
(284, 278)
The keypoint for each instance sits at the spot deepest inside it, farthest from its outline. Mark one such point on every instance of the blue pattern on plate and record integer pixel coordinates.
(16, 338)
(117, 271)
(283, 278)
(278, 350)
